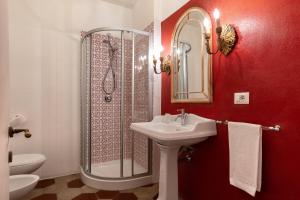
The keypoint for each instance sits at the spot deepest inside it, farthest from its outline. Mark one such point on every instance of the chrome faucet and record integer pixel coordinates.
(182, 116)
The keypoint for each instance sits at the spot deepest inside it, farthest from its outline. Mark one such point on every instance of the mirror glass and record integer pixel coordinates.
(191, 68)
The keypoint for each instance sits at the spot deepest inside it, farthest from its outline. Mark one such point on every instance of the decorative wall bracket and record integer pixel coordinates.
(225, 41)
(165, 65)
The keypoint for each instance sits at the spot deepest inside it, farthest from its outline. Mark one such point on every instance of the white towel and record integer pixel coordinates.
(245, 156)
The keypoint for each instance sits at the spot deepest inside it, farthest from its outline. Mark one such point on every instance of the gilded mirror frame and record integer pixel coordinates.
(180, 23)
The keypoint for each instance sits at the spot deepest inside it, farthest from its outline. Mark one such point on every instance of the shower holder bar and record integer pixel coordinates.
(275, 128)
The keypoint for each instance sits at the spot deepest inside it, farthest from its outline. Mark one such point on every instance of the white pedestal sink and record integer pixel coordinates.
(170, 136)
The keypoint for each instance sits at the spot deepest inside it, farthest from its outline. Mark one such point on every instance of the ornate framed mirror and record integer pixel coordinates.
(191, 76)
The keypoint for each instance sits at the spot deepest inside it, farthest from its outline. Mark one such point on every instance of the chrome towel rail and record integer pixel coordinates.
(266, 128)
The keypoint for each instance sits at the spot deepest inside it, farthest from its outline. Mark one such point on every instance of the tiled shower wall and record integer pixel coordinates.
(106, 119)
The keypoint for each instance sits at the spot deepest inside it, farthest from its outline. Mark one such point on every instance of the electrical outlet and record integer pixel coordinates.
(241, 98)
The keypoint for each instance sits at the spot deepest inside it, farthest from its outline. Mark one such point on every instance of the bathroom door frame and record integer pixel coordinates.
(4, 101)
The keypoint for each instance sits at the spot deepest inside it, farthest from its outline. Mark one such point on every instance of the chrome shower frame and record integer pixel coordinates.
(85, 91)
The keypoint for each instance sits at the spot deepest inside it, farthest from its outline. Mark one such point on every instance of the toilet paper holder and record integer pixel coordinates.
(12, 131)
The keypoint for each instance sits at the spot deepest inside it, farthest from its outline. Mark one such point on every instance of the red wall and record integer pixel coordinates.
(265, 62)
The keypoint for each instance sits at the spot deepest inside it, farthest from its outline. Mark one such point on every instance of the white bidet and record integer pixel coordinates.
(20, 185)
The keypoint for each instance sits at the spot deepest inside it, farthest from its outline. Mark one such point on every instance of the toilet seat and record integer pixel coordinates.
(26, 159)
(26, 163)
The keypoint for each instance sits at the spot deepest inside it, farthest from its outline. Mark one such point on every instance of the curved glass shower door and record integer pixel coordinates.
(116, 90)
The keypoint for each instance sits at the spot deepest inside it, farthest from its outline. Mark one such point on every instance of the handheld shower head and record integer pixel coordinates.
(107, 41)
(112, 61)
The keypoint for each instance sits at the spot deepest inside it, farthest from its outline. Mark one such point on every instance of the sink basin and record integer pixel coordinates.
(166, 131)
(170, 135)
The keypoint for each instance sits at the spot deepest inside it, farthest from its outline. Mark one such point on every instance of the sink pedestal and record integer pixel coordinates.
(168, 177)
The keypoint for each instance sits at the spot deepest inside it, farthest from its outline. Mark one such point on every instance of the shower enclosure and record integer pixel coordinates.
(116, 90)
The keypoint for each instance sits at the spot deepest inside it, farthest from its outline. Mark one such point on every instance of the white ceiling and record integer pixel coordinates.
(126, 3)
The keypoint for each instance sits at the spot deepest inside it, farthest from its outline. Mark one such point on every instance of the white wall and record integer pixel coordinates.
(143, 14)
(168, 7)
(3, 100)
(44, 56)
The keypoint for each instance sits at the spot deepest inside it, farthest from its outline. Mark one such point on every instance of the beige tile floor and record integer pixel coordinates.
(71, 188)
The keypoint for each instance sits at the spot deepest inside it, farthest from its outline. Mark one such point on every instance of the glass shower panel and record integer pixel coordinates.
(127, 103)
(106, 77)
(116, 90)
(85, 101)
(141, 98)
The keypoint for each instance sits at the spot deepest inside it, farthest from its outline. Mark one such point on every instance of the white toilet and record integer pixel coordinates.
(20, 185)
(26, 163)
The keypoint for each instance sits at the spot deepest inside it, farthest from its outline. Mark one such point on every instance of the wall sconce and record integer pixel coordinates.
(226, 35)
(165, 63)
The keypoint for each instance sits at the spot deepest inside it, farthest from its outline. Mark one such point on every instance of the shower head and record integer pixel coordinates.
(107, 41)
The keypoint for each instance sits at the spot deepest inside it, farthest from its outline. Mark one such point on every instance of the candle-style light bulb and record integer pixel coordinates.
(161, 48)
(206, 25)
(216, 13)
(157, 52)
(217, 16)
